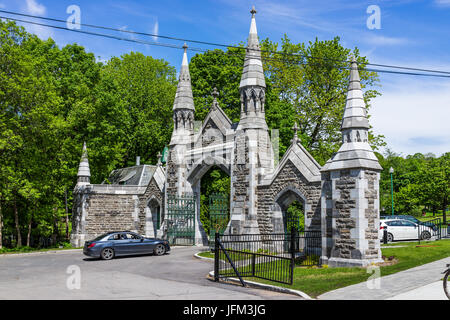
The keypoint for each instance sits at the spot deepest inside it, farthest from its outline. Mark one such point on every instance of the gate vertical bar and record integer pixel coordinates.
(216, 257)
(293, 236)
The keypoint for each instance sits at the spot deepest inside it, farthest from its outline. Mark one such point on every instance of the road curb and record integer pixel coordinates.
(13, 254)
(202, 258)
(263, 286)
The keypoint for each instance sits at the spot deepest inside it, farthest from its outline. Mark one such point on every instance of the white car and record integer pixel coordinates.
(402, 229)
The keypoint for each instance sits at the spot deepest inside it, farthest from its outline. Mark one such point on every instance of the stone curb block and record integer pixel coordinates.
(258, 285)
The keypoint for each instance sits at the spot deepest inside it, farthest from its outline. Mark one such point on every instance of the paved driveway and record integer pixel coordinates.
(177, 275)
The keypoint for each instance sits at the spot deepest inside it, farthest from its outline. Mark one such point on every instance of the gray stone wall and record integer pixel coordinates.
(344, 246)
(110, 212)
(354, 208)
(372, 214)
(240, 172)
(288, 178)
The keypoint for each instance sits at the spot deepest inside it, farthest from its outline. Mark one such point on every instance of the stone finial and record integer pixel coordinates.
(84, 172)
(215, 95)
(295, 129)
(253, 11)
(159, 156)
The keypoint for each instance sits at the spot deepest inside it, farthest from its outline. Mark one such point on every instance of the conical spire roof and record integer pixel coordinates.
(355, 114)
(183, 97)
(83, 169)
(253, 74)
(355, 151)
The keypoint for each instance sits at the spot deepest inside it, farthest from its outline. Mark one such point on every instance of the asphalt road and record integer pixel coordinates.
(177, 276)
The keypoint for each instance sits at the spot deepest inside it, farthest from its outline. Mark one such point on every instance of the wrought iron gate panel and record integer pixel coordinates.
(218, 215)
(180, 219)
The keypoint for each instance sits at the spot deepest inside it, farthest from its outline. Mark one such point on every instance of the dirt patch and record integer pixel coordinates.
(387, 263)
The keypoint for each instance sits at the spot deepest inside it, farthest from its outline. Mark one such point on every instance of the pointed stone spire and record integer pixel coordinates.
(84, 173)
(183, 97)
(355, 114)
(355, 151)
(253, 74)
(252, 87)
(183, 106)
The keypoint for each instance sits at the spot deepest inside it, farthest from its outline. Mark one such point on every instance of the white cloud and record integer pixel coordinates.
(386, 41)
(442, 3)
(156, 31)
(413, 115)
(35, 8)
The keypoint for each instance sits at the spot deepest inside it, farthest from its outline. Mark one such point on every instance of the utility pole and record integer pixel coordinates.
(391, 171)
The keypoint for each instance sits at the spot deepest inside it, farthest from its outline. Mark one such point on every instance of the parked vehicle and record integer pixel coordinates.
(120, 243)
(412, 219)
(402, 229)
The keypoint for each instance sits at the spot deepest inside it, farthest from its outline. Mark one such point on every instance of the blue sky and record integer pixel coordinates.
(413, 112)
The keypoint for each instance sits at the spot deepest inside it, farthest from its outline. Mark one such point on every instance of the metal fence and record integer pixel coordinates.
(180, 220)
(271, 257)
(433, 229)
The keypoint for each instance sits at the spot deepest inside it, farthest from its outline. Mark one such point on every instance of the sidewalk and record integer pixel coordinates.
(416, 283)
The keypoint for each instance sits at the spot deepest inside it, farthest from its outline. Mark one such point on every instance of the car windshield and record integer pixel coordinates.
(411, 219)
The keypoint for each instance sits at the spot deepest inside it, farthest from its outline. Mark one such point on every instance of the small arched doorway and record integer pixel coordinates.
(289, 208)
(153, 218)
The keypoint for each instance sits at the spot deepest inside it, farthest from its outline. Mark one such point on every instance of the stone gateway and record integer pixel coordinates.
(340, 199)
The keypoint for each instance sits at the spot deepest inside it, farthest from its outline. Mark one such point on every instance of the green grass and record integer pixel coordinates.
(314, 280)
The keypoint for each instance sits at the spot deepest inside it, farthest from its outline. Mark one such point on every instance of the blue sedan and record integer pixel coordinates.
(113, 244)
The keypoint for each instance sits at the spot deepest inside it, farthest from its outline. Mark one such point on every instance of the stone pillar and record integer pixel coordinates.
(354, 209)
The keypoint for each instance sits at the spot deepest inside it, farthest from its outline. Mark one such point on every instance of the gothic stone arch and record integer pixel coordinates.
(288, 180)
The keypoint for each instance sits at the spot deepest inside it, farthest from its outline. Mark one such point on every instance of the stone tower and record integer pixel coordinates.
(80, 196)
(252, 157)
(183, 131)
(350, 189)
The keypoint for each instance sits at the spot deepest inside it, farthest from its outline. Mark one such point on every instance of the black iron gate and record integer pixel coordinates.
(432, 230)
(218, 215)
(180, 220)
(271, 257)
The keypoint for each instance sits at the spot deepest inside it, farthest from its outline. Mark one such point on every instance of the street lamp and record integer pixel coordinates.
(391, 171)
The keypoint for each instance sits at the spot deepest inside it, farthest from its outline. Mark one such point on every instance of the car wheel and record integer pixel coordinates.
(160, 250)
(107, 254)
(390, 237)
(425, 235)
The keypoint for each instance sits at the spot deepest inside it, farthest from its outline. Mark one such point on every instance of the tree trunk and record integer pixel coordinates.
(444, 213)
(55, 227)
(16, 220)
(1, 225)
(29, 229)
(67, 218)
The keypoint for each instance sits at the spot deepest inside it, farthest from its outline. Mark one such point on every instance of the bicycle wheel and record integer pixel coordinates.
(446, 288)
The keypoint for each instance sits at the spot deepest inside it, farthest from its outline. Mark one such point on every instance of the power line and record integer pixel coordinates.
(297, 62)
(217, 44)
